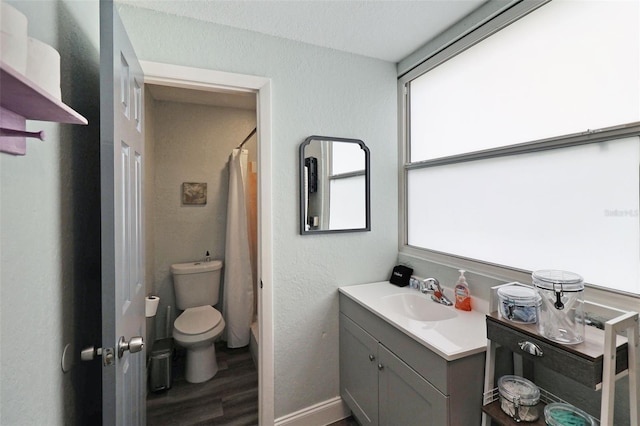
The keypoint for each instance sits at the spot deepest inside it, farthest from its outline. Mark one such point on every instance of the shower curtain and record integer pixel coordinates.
(238, 281)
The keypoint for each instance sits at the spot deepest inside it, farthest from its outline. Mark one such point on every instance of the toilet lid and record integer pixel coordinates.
(198, 320)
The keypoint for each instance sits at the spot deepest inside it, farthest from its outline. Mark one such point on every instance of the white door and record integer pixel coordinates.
(121, 172)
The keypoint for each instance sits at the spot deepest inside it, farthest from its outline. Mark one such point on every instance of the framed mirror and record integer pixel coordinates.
(334, 185)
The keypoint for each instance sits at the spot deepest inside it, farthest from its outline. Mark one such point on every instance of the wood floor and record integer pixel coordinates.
(229, 399)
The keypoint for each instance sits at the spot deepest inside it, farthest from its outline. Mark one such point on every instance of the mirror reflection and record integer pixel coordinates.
(334, 185)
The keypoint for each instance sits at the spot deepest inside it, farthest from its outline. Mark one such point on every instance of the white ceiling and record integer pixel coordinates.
(387, 30)
(384, 29)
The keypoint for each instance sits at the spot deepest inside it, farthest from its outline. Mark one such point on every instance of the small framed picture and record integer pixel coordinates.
(194, 193)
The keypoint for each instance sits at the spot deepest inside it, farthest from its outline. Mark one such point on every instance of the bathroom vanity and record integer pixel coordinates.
(405, 359)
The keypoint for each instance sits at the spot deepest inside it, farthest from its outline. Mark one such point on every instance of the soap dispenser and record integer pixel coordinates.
(462, 293)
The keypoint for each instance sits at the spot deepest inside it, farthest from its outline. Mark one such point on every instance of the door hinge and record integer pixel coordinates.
(260, 283)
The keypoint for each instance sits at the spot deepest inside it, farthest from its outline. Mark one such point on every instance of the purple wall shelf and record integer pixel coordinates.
(20, 100)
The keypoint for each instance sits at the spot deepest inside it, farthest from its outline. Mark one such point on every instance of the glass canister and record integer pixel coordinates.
(519, 398)
(519, 303)
(560, 414)
(561, 313)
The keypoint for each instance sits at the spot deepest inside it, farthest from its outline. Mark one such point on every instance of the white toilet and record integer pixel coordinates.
(197, 286)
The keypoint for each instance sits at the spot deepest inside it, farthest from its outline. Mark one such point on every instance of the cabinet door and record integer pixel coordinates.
(359, 371)
(405, 397)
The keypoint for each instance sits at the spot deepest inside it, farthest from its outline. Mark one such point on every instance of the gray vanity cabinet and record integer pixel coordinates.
(380, 388)
(359, 371)
(405, 397)
(387, 378)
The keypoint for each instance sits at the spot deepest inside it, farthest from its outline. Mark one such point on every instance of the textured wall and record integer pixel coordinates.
(50, 238)
(149, 192)
(314, 91)
(191, 143)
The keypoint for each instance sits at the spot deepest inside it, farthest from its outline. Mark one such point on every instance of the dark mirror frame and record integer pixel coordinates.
(367, 174)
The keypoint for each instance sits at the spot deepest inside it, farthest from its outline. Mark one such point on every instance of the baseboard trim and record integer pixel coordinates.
(324, 413)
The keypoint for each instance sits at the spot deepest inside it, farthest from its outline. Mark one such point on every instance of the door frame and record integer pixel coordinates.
(211, 80)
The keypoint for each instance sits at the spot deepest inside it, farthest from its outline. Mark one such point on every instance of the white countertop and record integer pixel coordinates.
(454, 338)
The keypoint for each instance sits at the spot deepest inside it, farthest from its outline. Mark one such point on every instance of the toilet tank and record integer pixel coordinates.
(196, 283)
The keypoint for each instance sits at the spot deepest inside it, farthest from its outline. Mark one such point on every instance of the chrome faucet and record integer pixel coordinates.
(432, 286)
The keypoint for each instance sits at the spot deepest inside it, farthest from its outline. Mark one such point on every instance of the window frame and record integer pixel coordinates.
(497, 23)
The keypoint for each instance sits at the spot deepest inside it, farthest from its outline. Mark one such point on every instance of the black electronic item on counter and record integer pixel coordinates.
(401, 275)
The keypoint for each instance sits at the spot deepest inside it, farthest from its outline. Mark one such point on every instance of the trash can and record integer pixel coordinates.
(160, 376)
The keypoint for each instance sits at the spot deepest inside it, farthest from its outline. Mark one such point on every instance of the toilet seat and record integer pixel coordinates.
(196, 330)
(197, 320)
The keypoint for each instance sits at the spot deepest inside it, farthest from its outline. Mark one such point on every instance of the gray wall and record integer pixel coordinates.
(50, 238)
(314, 91)
(191, 143)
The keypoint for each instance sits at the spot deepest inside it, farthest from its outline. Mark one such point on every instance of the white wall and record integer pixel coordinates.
(191, 143)
(314, 91)
(50, 238)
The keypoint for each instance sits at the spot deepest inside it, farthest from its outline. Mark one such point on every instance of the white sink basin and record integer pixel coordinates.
(449, 332)
(418, 307)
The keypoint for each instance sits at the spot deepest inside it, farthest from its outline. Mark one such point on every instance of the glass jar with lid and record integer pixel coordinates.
(518, 303)
(561, 312)
(519, 398)
(560, 414)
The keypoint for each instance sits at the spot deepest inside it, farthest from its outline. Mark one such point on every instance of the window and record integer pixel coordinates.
(347, 185)
(523, 150)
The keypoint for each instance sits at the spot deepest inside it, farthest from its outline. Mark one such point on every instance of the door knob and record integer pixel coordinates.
(134, 345)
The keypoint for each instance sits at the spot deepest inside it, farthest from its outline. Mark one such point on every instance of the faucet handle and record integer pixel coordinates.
(429, 285)
(432, 285)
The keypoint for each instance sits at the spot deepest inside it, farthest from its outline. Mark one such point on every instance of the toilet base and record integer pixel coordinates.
(201, 364)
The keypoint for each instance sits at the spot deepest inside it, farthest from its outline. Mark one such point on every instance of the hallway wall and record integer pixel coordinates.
(50, 238)
(315, 91)
(191, 143)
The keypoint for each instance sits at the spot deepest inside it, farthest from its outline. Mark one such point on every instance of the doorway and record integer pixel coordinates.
(206, 83)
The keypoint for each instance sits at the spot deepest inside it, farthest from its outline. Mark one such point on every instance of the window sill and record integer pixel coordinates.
(492, 274)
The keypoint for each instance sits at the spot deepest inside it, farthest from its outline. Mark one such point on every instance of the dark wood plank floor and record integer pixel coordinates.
(229, 399)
